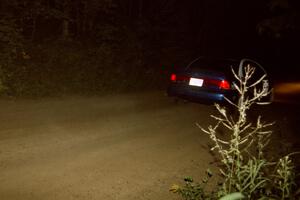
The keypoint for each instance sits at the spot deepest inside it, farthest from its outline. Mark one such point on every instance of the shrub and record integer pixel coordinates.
(245, 170)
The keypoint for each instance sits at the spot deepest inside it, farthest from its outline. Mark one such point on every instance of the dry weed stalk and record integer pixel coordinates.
(247, 173)
(243, 170)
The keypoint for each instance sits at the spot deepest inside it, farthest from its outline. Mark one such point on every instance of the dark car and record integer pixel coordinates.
(209, 80)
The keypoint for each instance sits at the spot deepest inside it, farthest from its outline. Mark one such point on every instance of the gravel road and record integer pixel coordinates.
(120, 147)
(130, 146)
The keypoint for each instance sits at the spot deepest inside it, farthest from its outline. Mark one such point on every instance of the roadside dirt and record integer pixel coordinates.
(127, 147)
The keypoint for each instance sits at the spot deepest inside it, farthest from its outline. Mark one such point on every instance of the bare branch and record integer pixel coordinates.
(229, 101)
(237, 88)
(258, 81)
(229, 126)
(245, 127)
(235, 75)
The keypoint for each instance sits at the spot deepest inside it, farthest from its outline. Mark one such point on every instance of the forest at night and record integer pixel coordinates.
(51, 47)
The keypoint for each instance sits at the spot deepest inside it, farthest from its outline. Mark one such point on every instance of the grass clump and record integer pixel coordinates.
(246, 172)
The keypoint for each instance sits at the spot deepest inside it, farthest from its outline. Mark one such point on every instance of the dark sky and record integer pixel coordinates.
(230, 28)
(226, 27)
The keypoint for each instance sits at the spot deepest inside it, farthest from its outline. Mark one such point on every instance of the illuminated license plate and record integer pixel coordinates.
(196, 82)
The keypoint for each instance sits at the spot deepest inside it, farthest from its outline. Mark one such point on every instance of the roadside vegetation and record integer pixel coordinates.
(85, 47)
(246, 171)
(62, 68)
(54, 47)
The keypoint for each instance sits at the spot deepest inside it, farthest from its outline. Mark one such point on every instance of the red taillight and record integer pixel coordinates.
(224, 85)
(173, 77)
(179, 78)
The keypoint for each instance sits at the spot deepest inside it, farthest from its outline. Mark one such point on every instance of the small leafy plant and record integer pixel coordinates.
(245, 171)
(192, 190)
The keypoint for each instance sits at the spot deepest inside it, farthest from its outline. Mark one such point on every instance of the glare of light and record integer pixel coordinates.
(173, 77)
(287, 88)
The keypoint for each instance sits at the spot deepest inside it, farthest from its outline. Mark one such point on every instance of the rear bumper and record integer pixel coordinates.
(198, 95)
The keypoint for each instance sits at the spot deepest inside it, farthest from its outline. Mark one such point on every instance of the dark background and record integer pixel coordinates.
(53, 47)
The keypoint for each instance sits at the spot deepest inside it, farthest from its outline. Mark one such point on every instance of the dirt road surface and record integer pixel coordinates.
(122, 147)
(115, 147)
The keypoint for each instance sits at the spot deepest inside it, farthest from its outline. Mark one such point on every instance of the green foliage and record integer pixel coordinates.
(10, 47)
(57, 47)
(192, 190)
(233, 196)
(50, 47)
(245, 169)
(74, 68)
(284, 178)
